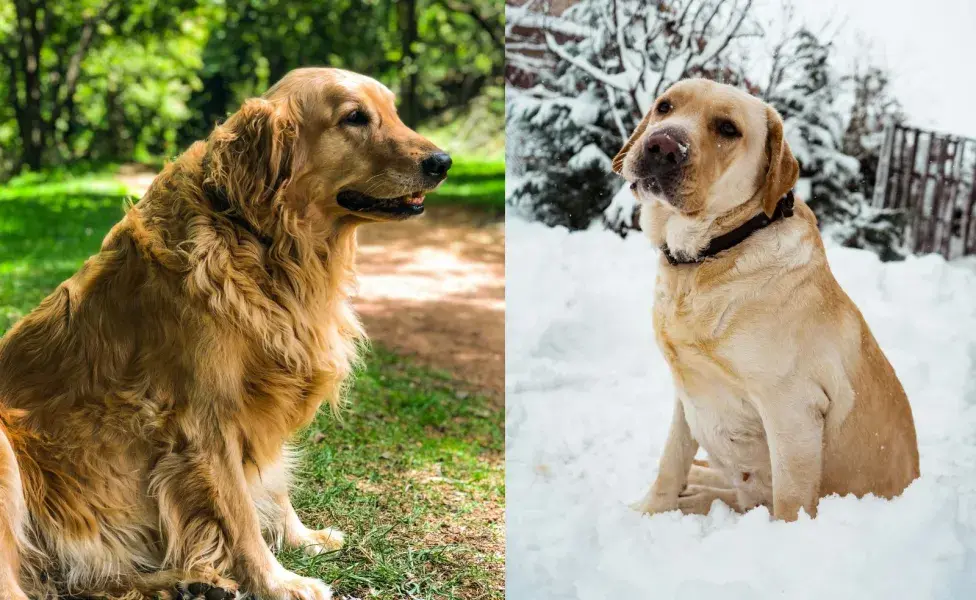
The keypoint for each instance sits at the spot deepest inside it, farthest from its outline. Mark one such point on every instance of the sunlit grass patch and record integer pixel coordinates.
(478, 182)
(413, 473)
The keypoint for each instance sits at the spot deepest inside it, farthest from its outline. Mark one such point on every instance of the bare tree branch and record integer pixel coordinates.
(621, 128)
(667, 57)
(730, 35)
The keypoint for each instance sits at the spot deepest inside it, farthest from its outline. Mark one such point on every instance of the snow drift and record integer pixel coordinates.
(589, 400)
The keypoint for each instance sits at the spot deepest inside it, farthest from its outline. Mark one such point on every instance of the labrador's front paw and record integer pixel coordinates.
(653, 504)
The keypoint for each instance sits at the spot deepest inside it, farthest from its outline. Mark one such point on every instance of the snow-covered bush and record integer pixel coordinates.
(595, 69)
(604, 63)
(803, 88)
(874, 108)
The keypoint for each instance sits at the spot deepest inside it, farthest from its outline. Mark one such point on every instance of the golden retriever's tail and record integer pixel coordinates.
(13, 513)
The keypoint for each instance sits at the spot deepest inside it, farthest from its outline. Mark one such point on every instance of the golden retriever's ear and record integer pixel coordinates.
(251, 156)
(618, 161)
(783, 167)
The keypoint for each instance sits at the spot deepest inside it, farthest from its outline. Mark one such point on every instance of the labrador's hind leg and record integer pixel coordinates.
(702, 473)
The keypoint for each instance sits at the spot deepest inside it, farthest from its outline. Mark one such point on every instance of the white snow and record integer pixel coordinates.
(621, 208)
(590, 154)
(589, 400)
(585, 110)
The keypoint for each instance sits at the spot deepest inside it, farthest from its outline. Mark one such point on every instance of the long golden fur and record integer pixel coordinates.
(147, 403)
(777, 374)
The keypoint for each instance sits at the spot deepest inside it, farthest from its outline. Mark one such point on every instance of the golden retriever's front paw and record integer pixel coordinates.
(319, 541)
(200, 590)
(290, 586)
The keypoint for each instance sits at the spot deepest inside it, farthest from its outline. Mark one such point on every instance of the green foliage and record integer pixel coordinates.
(69, 66)
(49, 224)
(139, 79)
(478, 183)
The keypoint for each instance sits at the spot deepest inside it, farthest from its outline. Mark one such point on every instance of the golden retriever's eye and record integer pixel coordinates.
(728, 129)
(663, 107)
(357, 117)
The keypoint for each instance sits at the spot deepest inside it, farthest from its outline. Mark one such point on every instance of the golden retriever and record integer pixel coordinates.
(777, 375)
(147, 403)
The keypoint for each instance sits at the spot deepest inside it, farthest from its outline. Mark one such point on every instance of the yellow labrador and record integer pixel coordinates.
(777, 375)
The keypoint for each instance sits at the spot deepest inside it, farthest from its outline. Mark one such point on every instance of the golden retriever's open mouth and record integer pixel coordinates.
(411, 204)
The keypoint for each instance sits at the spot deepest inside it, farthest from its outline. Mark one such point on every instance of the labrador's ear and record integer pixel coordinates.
(618, 161)
(783, 167)
(251, 156)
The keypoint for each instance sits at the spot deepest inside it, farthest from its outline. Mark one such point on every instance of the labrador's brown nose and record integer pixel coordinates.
(665, 152)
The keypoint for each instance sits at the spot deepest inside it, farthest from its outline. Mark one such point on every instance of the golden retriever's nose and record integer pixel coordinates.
(665, 151)
(436, 165)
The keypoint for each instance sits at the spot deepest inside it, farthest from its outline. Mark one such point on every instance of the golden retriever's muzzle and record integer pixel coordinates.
(660, 166)
(433, 170)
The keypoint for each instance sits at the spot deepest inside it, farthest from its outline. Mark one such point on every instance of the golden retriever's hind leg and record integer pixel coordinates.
(180, 585)
(13, 513)
(297, 535)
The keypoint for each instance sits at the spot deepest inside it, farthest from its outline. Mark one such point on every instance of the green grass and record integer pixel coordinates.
(475, 136)
(49, 225)
(412, 473)
(474, 182)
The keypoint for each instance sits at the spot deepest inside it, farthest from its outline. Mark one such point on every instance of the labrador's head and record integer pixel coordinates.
(705, 148)
(328, 143)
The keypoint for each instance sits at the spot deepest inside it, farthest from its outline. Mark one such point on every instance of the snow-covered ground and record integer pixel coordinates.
(589, 400)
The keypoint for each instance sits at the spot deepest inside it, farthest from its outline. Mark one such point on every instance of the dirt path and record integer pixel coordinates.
(431, 288)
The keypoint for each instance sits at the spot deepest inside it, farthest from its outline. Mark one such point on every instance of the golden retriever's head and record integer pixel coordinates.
(705, 148)
(326, 143)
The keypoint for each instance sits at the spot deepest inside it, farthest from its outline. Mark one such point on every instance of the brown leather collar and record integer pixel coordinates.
(784, 209)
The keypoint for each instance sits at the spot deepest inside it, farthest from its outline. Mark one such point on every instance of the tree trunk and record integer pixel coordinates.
(29, 116)
(408, 27)
(32, 143)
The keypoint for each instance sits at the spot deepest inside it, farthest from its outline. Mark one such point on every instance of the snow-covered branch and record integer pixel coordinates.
(521, 16)
(621, 81)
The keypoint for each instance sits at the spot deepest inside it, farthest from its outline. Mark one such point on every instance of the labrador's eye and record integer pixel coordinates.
(663, 107)
(728, 129)
(357, 118)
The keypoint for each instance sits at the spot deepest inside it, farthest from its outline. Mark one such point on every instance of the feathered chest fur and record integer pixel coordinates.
(692, 323)
(276, 335)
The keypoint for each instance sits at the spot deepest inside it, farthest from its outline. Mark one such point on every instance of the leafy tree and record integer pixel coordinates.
(44, 47)
(137, 79)
(435, 54)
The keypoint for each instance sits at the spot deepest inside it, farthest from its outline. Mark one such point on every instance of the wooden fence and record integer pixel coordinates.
(931, 178)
